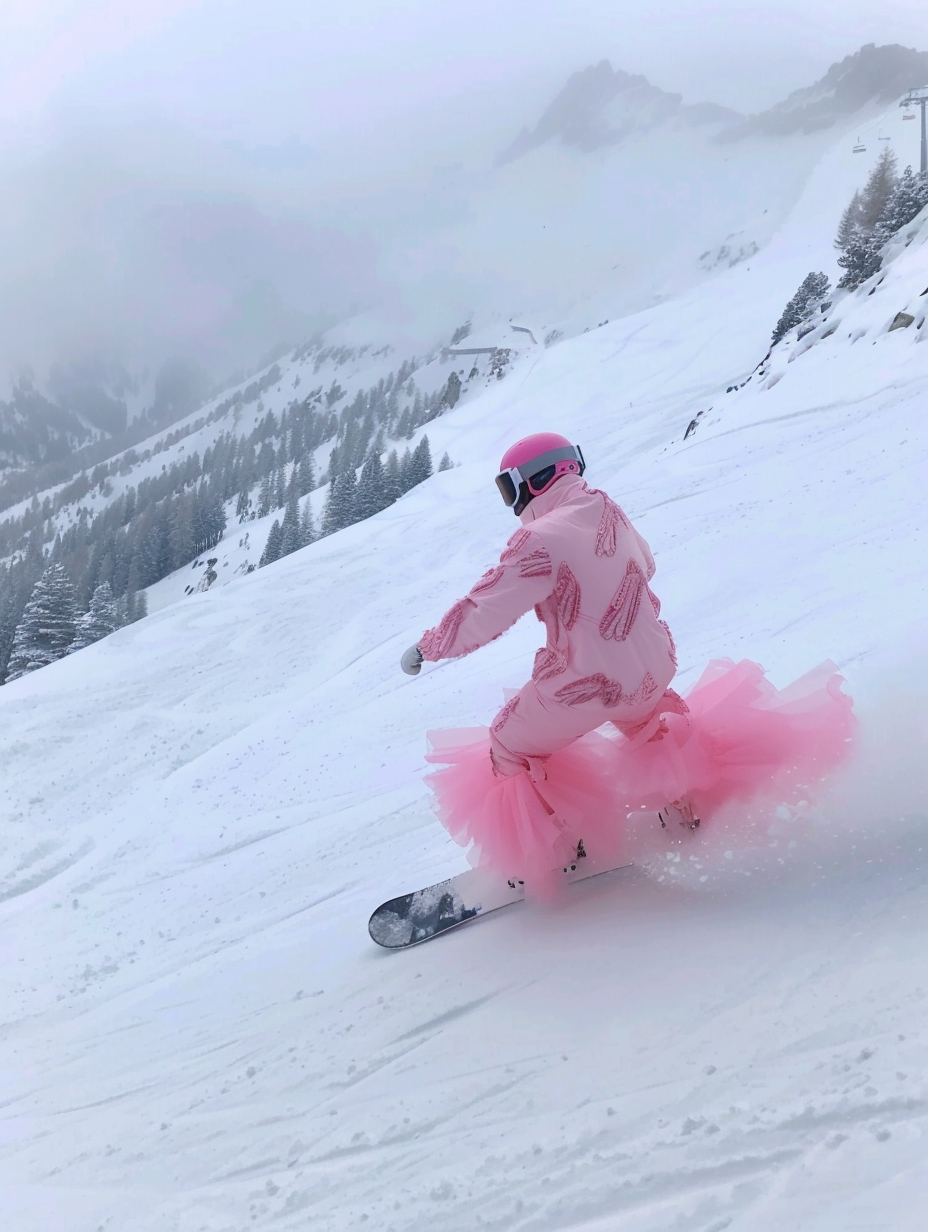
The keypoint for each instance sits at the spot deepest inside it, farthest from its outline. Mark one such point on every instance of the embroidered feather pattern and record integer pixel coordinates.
(503, 717)
(673, 703)
(516, 544)
(567, 596)
(591, 689)
(548, 664)
(488, 581)
(607, 535)
(436, 643)
(622, 612)
(536, 565)
(608, 531)
(647, 687)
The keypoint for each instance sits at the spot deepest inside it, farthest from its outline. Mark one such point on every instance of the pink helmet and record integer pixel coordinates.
(532, 465)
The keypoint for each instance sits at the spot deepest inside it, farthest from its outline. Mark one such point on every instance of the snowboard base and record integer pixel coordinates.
(412, 918)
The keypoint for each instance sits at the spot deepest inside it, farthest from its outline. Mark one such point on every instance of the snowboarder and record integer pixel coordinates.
(543, 779)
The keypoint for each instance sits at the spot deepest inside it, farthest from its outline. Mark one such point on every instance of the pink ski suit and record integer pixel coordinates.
(583, 567)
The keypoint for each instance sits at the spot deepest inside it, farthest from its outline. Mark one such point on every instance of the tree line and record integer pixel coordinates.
(351, 498)
(153, 528)
(52, 626)
(887, 203)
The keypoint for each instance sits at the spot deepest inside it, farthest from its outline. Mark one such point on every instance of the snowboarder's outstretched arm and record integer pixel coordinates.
(523, 578)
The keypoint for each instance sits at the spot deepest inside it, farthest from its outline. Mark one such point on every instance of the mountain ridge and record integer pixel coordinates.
(600, 106)
(871, 75)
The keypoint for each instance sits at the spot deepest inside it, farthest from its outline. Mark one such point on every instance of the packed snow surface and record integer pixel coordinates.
(200, 812)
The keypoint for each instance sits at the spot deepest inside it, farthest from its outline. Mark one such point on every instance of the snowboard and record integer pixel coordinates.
(412, 918)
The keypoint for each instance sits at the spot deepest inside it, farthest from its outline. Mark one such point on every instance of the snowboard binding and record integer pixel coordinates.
(680, 811)
(568, 868)
(581, 855)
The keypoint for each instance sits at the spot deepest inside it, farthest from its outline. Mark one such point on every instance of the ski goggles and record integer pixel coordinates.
(540, 472)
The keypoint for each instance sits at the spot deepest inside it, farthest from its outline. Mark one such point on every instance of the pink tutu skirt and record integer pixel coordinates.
(741, 740)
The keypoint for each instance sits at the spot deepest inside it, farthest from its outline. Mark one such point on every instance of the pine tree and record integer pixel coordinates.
(879, 188)
(48, 624)
(306, 479)
(421, 463)
(98, 621)
(371, 488)
(9, 619)
(265, 497)
(307, 530)
(329, 509)
(445, 464)
(132, 594)
(291, 539)
(295, 444)
(907, 201)
(861, 259)
(392, 486)
(862, 231)
(209, 519)
(272, 547)
(406, 480)
(280, 489)
(341, 505)
(181, 535)
(812, 293)
(155, 560)
(850, 221)
(348, 496)
(21, 579)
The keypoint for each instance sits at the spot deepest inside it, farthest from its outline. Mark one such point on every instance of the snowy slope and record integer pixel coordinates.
(200, 811)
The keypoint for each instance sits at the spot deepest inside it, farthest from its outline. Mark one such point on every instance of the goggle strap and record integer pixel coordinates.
(566, 453)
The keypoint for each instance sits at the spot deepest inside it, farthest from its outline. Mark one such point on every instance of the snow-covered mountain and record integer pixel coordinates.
(618, 195)
(600, 107)
(871, 76)
(35, 431)
(199, 812)
(91, 403)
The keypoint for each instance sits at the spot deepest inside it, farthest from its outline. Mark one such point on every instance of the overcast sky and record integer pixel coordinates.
(251, 120)
(253, 68)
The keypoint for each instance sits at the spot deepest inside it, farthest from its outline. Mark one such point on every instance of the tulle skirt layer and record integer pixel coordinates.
(741, 739)
(525, 825)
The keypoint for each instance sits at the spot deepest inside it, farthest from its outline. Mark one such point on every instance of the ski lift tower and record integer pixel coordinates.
(918, 97)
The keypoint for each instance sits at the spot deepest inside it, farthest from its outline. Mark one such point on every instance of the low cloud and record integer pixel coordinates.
(133, 241)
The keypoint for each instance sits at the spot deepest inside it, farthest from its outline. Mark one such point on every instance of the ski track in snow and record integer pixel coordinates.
(200, 812)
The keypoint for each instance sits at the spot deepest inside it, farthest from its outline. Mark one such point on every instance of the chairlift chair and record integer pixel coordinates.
(860, 148)
(908, 115)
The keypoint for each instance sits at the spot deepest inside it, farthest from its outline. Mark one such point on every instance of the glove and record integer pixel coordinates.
(411, 661)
